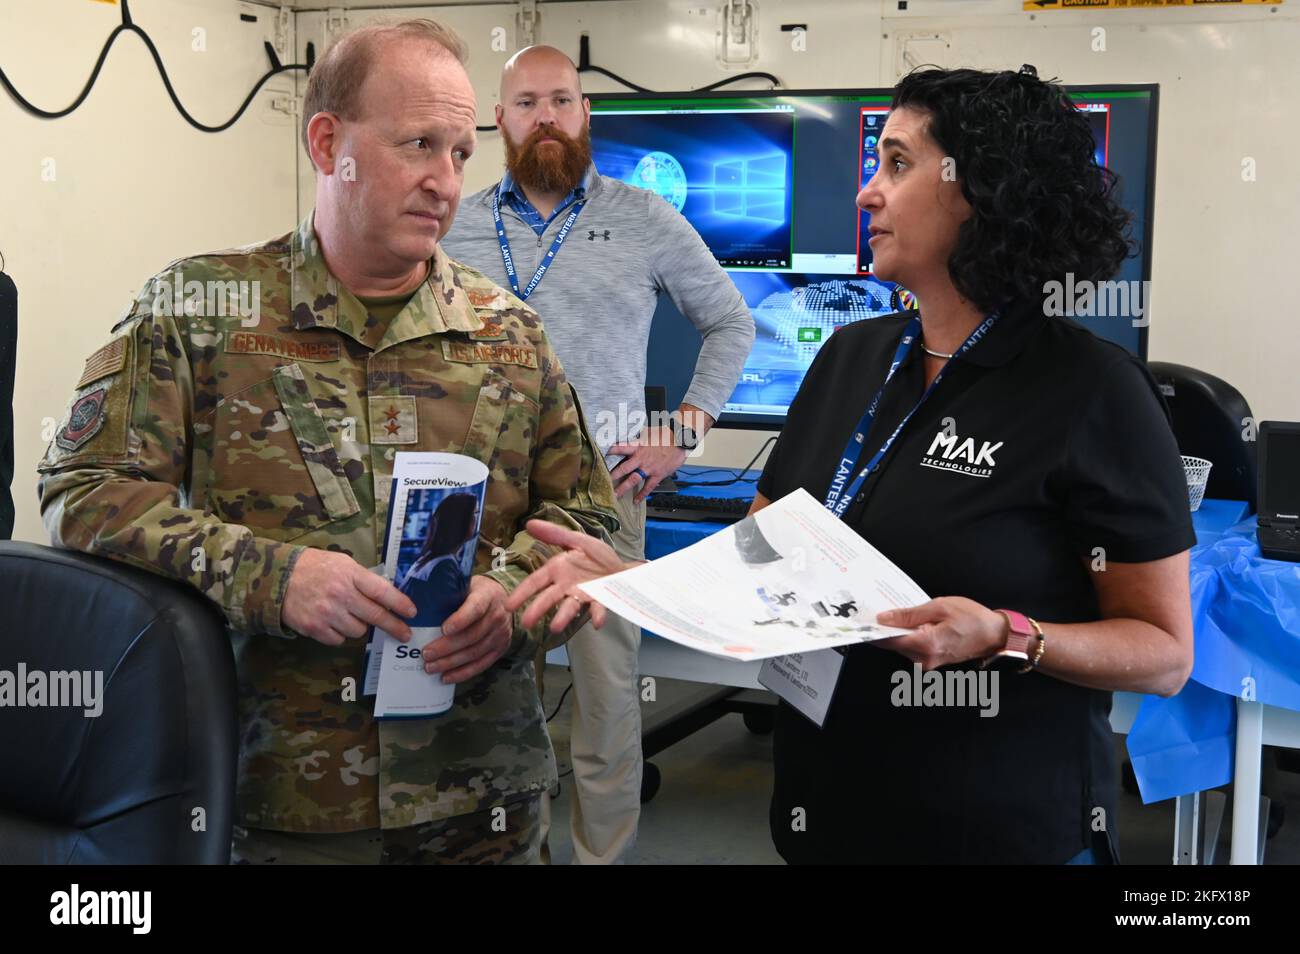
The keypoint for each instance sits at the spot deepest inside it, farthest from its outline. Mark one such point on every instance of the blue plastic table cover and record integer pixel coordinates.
(1246, 613)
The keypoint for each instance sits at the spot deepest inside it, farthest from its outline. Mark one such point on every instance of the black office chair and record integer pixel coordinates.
(126, 786)
(8, 359)
(1211, 420)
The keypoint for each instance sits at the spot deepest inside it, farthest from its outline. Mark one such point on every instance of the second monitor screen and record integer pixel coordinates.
(729, 171)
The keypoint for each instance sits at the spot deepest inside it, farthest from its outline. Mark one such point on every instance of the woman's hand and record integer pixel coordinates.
(584, 559)
(951, 629)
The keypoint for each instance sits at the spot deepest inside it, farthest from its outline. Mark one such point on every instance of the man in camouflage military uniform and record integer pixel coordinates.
(250, 454)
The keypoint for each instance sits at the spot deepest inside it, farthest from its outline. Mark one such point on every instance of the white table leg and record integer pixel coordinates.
(1187, 819)
(1246, 783)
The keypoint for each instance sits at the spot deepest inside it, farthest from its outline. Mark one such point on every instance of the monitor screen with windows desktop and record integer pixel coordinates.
(768, 179)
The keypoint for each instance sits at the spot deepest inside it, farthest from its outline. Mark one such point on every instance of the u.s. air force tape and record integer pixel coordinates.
(482, 353)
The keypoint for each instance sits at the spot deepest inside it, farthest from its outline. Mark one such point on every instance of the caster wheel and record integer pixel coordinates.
(650, 779)
(760, 721)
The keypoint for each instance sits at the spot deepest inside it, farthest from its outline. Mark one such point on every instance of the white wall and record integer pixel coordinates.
(1223, 297)
(134, 186)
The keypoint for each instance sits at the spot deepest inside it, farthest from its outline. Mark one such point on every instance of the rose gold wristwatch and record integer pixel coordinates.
(1015, 654)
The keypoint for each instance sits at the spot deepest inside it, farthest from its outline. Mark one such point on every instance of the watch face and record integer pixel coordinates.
(1009, 660)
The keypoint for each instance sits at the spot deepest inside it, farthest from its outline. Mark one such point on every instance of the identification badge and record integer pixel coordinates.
(805, 680)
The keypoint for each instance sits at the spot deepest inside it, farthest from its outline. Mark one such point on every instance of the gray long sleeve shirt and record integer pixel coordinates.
(598, 297)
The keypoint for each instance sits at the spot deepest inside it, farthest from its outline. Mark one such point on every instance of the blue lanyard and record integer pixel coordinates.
(838, 496)
(546, 260)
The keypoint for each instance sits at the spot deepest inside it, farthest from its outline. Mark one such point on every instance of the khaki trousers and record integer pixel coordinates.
(605, 741)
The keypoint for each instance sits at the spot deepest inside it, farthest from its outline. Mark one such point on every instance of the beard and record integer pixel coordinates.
(554, 168)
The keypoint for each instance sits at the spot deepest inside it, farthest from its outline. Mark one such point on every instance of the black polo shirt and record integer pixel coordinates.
(1040, 444)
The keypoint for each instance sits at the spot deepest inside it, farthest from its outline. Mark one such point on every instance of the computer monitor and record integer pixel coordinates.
(768, 180)
(1279, 473)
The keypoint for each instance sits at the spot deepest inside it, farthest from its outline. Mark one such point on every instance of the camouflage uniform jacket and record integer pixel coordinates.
(212, 450)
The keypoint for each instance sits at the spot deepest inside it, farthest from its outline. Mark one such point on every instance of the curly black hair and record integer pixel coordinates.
(1024, 155)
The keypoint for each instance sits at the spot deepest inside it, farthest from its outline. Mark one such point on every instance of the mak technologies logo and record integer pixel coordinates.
(950, 452)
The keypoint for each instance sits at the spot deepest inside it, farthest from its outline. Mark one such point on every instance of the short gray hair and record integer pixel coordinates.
(335, 82)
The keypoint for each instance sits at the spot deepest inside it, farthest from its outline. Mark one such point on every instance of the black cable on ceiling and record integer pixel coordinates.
(585, 66)
(128, 26)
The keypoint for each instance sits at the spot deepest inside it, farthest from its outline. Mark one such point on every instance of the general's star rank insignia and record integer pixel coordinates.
(393, 420)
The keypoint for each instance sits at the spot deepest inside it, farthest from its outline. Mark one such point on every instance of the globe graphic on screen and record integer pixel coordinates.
(802, 318)
(663, 175)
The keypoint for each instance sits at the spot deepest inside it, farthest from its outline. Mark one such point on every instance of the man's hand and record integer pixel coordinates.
(656, 455)
(332, 598)
(473, 637)
(555, 583)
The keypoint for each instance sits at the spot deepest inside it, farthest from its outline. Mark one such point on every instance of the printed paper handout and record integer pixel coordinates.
(789, 579)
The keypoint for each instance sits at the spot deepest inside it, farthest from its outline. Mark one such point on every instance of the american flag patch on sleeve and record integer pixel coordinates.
(107, 360)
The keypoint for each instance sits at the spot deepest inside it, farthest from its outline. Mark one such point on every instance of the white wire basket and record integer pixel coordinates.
(1198, 472)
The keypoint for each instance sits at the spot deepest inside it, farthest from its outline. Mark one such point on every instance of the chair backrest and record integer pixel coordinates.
(150, 778)
(1211, 420)
(8, 359)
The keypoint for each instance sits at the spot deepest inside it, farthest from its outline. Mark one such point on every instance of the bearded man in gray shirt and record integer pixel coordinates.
(592, 255)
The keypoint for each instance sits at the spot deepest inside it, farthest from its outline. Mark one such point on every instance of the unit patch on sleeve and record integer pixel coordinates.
(86, 418)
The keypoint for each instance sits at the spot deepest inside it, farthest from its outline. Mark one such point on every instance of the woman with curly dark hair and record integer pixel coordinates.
(1010, 462)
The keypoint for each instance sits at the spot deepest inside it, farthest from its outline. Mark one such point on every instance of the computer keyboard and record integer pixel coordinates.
(672, 506)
